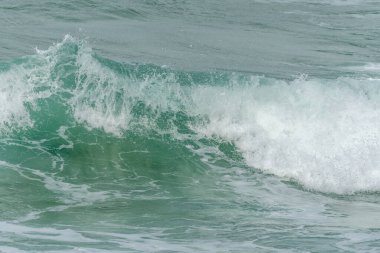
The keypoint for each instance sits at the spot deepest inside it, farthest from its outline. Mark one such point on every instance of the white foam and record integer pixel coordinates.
(324, 134)
(369, 67)
(72, 194)
(22, 85)
(104, 99)
(13, 96)
(62, 235)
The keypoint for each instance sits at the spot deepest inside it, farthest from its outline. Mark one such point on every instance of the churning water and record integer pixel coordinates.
(189, 126)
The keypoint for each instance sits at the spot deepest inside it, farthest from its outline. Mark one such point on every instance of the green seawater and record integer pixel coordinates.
(189, 126)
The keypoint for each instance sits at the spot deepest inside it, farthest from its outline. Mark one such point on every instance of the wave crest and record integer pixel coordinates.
(322, 133)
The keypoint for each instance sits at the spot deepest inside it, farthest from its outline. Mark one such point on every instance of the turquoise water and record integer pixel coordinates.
(189, 126)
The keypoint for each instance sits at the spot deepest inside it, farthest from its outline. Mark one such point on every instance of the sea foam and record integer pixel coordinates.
(322, 133)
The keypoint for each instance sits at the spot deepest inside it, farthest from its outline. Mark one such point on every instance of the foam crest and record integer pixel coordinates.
(26, 81)
(21, 87)
(12, 99)
(106, 99)
(324, 134)
(98, 96)
(94, 101)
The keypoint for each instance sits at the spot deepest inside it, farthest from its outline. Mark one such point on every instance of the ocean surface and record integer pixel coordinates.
(189, 126)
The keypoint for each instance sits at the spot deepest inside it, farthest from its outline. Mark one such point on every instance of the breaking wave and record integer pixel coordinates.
(323, 134)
